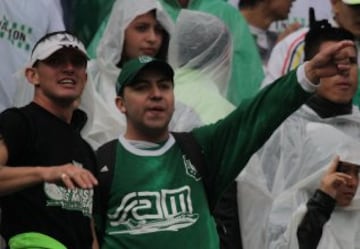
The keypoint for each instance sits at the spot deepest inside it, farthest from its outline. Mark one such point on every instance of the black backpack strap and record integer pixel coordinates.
(225, 211)
(106, 156)
(193, 152)
(227, 219)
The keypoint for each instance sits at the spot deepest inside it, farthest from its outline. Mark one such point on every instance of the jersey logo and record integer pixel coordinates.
(190, 169)
(71, 199)
(149, 212)
(104, 169)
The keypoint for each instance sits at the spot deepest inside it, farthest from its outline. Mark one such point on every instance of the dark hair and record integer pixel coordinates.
(248, 3)
(163, 51)
(320, 32)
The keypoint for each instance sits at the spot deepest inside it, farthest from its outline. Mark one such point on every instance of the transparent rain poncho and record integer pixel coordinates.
(104, 71)
(246, 69)
(343, 228)
(282, 162)
(200, 51)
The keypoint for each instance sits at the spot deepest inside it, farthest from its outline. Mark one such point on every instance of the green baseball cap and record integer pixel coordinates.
(350, 2)
(132, 68)
(33, 240)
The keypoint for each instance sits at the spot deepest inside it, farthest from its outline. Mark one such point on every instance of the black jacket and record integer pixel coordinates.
(319, 209)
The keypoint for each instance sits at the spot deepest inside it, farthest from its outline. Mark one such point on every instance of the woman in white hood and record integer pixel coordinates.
(134, 28)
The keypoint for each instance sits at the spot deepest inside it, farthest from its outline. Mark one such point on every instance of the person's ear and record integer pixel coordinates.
(32, 76)
(120, 103)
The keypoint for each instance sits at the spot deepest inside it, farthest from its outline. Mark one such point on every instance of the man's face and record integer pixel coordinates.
(346, 192)
(280, 8)
(348, 16)
(148, 104)
(60, 77)
(143, 36)
(342, 87)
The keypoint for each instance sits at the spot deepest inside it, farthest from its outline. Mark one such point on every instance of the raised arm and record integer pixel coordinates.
(233, 140)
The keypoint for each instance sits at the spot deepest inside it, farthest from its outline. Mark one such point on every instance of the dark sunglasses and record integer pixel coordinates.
(61, 58)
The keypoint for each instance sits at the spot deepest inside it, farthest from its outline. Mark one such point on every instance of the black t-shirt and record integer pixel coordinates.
(35, 137)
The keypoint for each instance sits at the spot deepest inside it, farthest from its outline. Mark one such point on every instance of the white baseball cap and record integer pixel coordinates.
(350, 2)
(52, 42)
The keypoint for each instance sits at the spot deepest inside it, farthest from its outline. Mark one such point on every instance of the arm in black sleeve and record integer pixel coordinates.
(319, 209)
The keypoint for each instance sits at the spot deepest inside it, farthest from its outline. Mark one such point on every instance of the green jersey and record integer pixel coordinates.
(157, 198)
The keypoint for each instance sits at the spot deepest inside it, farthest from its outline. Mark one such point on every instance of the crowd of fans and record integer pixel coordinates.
(97, 96)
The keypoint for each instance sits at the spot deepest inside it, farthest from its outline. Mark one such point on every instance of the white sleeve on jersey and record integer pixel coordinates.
(285, 56)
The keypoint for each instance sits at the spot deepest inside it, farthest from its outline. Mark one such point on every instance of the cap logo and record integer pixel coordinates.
(53, 43)
(65, 38)
(145, 59)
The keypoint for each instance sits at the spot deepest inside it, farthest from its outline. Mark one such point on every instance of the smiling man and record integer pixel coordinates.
(46, 178)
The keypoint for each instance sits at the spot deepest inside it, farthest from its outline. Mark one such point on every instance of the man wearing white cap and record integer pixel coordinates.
(22, 23)
(45, 174)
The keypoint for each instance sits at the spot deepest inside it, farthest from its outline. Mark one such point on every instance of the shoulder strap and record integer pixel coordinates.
(225, 211)
(193, 152)
(106, 155)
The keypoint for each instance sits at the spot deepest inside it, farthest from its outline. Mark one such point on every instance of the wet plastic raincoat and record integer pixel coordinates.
(246, 72)
(280, 164)
(200, 51)
(289, 208)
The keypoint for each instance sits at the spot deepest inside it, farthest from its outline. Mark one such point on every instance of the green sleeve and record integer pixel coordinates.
(94, 43)
(88, 16)
(356, 98)
(229, 143)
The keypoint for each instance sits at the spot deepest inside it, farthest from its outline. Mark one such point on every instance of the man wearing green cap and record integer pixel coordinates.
(157, 197)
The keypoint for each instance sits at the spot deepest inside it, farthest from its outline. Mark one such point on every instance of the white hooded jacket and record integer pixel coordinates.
(282, 162)
(343, 228)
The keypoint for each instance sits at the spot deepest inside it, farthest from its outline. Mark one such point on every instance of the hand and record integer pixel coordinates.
(332, 179)
(70, 175)
(328, 62)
